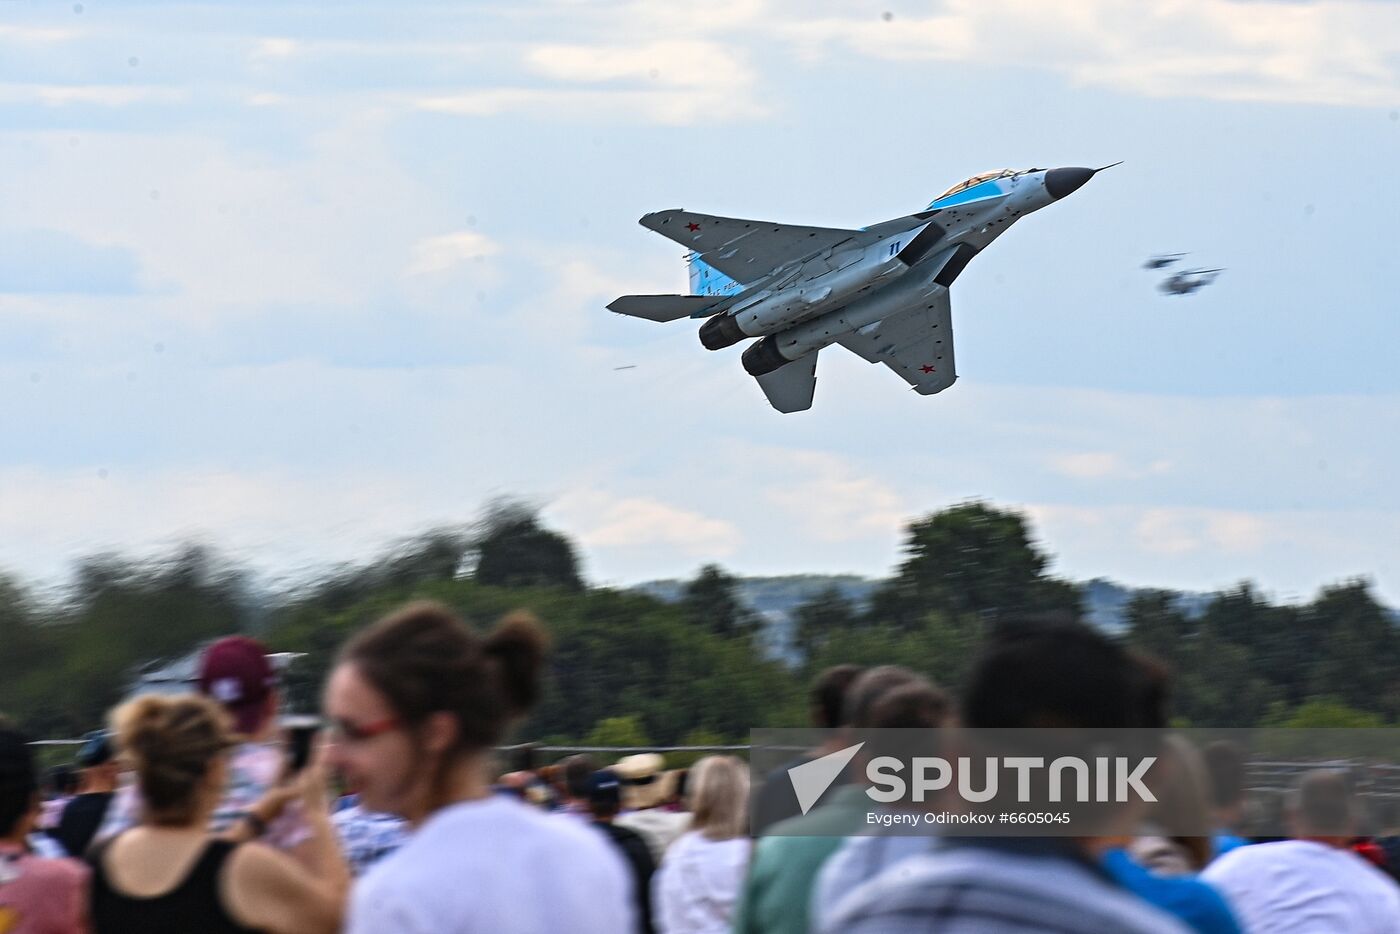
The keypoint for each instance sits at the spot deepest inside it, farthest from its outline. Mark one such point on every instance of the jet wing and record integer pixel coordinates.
(917, 344)
(790, 388)
(745, 250)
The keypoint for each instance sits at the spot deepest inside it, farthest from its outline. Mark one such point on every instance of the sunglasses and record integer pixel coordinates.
(340, 730)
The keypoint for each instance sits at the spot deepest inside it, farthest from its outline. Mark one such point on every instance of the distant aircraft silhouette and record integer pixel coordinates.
(1162, 260)
(1187, 281)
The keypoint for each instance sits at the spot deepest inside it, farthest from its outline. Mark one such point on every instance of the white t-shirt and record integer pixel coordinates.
(695, 889)
(496, 865)
(658, 828)
(1300, 887)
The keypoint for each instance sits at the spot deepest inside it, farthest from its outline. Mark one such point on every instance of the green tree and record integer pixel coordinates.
(1280, 642)
(815, 621)
(1157, 626)
(712, 602)
(620, 731)
(1358, 656)
(1216, 685)
(514, 550)
(697, 737)
(1325, 713)
(976, 561)
(124, 614)
(30, 663)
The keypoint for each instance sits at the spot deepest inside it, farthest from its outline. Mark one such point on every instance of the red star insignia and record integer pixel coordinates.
(692, 227)
(926, 368)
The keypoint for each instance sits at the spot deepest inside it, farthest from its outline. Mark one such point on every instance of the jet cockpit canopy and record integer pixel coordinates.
(977, 180)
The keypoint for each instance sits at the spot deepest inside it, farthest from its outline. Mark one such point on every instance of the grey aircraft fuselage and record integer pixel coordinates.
(832, 295)
(881, 291)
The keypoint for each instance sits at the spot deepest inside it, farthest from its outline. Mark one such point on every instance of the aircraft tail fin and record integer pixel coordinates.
(791, 387)
(707, 280)
(663, 307)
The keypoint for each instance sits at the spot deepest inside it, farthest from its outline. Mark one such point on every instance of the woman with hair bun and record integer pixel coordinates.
(415, 704)
(168, 874)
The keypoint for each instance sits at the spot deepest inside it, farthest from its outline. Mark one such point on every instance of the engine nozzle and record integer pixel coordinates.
(763, 358)
(721, 331)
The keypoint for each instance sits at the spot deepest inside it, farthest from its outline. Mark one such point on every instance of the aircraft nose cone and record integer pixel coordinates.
(1061, 182)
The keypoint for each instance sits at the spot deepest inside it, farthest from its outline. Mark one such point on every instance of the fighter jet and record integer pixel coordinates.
(880, 292)
(1187, 281)
(1162, 260)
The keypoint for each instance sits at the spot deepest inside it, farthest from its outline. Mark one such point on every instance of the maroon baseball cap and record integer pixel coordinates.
(235, 671)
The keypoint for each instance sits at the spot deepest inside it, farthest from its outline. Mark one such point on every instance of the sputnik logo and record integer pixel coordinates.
(810, 780)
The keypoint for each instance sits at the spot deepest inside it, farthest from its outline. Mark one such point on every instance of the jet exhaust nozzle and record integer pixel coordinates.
(721, 331)
(763, 358)
(1062, 182)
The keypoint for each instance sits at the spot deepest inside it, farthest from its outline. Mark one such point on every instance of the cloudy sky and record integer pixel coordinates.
(302, 279)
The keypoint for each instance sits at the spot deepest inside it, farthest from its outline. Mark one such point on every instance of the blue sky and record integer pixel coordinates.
(301, 280)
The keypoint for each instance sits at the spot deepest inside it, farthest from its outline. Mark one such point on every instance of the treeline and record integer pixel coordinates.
(630, 668)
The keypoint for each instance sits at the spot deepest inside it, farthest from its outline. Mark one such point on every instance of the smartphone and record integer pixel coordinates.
(301, 739)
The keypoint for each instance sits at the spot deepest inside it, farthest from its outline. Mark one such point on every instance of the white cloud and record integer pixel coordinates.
(827, 498)
(274, 48)
(673, 107)
(1088, 465)
(676, 62)
(1342, 53)
(1103, 465)
(102, 95)
(31, 34)
(667, 18)
(1199, 548)
(282, 523)
(1168, 532)
(564, 315)
(1238, 532)
(436, 254)
(602, 520)
(225, 229)
(266, 99)
(675, 81)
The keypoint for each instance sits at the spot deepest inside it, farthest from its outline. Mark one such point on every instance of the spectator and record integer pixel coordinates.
(37, 895)
(1311, 884)
(98, 783)
(916, 705)
(776, 800)
(236, 672)
(1027, 677)
(1225, 767)
(416, 703)
(169, 873)
(699, 880)
(60, 784)
(1160, 867)
(367, 836)
(778, 890)
(604, 802)
(574, 775)
(645, 791)
(1170, 841)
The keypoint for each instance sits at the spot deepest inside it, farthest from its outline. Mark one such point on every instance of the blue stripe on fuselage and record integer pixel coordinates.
(707, 280)
(979, 192)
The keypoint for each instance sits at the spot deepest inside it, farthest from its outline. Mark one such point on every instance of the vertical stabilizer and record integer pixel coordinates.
(707, 280)
(790, 388)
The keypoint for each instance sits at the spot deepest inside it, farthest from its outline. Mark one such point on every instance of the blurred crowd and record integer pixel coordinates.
(206, 812)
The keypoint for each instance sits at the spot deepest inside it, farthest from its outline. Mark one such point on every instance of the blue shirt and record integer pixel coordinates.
(1184, 897)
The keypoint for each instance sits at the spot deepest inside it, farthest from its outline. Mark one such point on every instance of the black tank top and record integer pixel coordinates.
(192, 907)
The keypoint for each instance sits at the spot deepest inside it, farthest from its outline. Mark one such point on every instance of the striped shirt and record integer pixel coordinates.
(996, 886)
